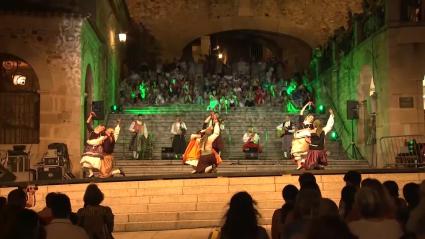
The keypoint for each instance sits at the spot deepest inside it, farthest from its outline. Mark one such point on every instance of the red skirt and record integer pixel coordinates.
(315, 158)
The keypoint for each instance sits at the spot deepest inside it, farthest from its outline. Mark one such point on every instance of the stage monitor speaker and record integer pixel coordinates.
(167, 153)
(352, 109)
(98, 108)
(6, 175)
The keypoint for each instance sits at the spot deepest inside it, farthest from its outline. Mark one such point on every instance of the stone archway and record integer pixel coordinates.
(19, 101)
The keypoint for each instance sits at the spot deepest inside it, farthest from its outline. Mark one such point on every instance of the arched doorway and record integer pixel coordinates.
(19, 101)
(88, 96)
(367, 98)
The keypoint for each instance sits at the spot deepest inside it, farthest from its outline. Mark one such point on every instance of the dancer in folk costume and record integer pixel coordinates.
(200, 152)
(178, 129)
(316, 156)
(139, 136)
(299, 148)
(286, 132)
(92, 154)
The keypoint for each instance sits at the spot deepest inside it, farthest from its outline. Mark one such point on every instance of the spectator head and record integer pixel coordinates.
(348, 194)
(307, 204)
(61, 206)
(49, 199)
(289, 193)
(369, 203)
(93, 196)
(392, 188)
(388, 203)
(3, 202)
(329, 227)
(241, 217)
(306, 178)
(353, 178)
(28, 226)
(328, 207)
(411, 194)
(17, 198)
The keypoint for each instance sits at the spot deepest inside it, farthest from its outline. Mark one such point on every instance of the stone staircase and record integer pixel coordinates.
(265, 119)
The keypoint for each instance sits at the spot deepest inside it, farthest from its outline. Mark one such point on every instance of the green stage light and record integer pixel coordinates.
(116, 108)
(334, 135)
(411, 145)
(321, 109)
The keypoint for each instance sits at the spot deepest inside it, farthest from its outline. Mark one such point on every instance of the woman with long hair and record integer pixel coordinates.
(316, 156)
(241, 219)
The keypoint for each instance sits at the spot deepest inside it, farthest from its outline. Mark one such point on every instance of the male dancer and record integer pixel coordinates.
(92, 154)
(286, 131)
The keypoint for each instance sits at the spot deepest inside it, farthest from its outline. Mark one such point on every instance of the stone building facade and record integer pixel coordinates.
(77, 60)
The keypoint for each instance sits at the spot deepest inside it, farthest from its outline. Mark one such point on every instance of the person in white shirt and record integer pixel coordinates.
(251, 141)
(61, 226)
(178, 129)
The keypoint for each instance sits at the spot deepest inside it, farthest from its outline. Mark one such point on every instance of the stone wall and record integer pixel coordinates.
(62, 48)
(50, 43)
(394, 58)
(194, 203)
(171, 22)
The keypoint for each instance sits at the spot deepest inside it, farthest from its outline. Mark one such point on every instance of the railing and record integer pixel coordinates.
(403, 150)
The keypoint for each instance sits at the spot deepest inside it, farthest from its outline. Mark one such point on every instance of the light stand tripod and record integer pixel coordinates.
(352, 147)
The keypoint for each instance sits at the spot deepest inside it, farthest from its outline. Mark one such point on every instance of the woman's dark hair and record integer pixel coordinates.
(392, 188)
(411, 194)
(93, 196)
(348, 194)
(3, 202)
(289, 193)
(241, 218)
(27, 226)
(49, 199)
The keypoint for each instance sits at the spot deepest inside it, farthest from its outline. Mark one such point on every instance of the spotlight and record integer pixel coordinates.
(220, 55)
(19, 80)
(321, 109)
(116, 109)
(334, 135)
(122, 37)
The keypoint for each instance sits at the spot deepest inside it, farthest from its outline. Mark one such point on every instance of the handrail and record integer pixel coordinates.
(394, 148)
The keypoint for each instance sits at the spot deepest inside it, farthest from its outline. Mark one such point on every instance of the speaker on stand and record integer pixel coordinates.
(352, 114)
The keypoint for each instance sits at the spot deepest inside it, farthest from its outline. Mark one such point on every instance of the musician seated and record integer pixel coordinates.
(251, 141)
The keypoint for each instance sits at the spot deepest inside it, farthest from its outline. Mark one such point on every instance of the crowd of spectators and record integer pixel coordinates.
(367, 209)
(56, 220)
(216, 85)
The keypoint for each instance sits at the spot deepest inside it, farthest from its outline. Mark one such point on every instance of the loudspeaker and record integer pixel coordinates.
(98, 108)
(167, 153)
(50, 173)
(6, 175)
(352, 109)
